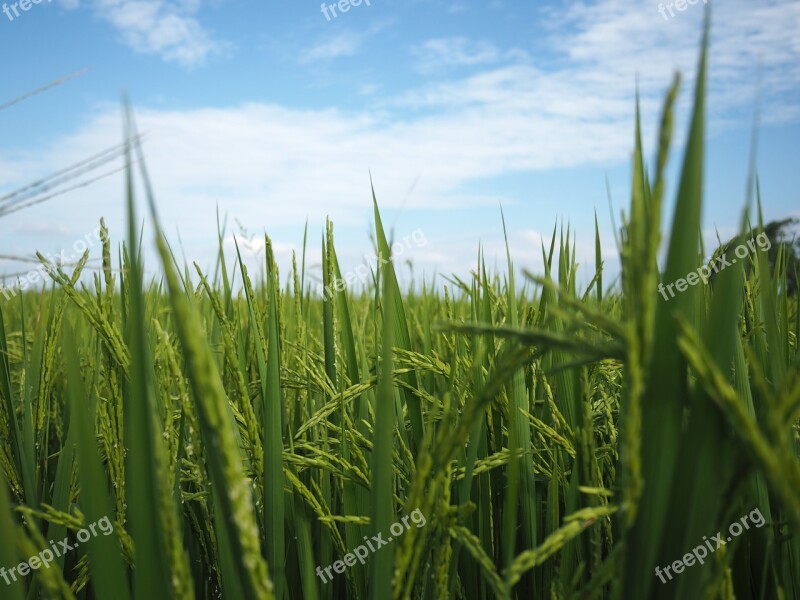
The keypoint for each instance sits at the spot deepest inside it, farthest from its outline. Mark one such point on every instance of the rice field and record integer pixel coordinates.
(514, 437)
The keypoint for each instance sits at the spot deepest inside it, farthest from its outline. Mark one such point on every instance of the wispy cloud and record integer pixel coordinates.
(169, 30)
(343, 44)
(754, 49)
(444, 53)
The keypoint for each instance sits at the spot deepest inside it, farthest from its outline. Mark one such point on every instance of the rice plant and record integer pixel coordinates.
(250, 439)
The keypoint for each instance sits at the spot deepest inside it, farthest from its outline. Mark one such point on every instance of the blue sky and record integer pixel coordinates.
(277, 114)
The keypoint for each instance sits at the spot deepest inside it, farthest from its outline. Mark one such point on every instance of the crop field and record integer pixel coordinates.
(234, 434)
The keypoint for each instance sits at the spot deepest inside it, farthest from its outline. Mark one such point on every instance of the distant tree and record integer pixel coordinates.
(780, 237)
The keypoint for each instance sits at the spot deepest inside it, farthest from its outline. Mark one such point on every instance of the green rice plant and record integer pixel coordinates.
(248, 437)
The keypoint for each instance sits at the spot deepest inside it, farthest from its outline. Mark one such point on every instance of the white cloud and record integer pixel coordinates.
(343, 44)
(169, 30)
(454, 52)
(346, 43)
(752, 44)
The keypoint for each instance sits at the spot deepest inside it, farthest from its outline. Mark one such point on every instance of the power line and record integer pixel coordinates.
(50, 85)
